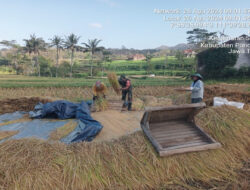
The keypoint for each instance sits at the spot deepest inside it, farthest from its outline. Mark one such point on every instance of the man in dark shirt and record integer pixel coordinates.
(126, 90)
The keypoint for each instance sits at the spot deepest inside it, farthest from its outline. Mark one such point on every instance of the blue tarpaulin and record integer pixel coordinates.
(87, 127)
(11, 116)
(37, 128)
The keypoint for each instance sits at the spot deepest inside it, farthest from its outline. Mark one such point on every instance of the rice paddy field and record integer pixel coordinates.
(128, 162)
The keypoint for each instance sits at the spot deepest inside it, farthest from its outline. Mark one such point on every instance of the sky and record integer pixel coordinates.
(129, 23)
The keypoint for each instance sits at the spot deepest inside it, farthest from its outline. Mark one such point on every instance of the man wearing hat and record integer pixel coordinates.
(99, 90)
(197, 88)
(126, 90)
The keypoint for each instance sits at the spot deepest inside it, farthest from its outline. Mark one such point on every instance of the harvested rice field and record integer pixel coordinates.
(121, 157)
(131, 163)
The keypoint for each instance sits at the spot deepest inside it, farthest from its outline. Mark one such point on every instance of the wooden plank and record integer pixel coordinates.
(176, 144)
(169, 115)
(176, 134)
(192, 148)
(193, 144)
(179, 136)
(181, 142)
(144, 119)
(157, 146)
(184, 106)
(172, 130)
(171, 125)
(162, 130)
(189, 144)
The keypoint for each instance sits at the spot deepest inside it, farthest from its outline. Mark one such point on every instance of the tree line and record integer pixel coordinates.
(35, 45)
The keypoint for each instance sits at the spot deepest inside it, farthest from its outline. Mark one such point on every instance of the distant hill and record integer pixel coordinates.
(162, 47)
(181, 46)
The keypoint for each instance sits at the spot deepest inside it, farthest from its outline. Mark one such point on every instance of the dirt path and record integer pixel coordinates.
(117, 124)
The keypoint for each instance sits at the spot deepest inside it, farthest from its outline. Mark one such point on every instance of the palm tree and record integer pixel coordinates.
(92, 47)
(35, 45)
(71, 44)
(57, 42)
(149, 65)
(105, 58)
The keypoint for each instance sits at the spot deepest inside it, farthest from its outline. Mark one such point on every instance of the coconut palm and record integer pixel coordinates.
(35, 45)
(92, 47)
(71, 44)
(57, 42)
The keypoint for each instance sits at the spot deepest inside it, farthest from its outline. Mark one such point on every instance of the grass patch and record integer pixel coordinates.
(235, 80)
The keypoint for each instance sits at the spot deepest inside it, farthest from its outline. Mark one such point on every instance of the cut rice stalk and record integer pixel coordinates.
(101, 104)
(113, 80)
(63, 131)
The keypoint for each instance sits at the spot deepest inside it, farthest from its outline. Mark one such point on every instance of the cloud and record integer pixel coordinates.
(110, 3)
(95, 25)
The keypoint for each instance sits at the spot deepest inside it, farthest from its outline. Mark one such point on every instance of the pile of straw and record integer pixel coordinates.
(21, 104)
(113, 80)
(131, 162)
(101, 104)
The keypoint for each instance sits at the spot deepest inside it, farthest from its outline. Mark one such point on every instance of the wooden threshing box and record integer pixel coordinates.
(172, 130)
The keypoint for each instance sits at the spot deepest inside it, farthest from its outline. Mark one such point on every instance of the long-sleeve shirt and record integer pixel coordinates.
(197, 89)
(99, 91)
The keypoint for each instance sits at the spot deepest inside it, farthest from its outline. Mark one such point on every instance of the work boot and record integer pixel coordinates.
(129, 106)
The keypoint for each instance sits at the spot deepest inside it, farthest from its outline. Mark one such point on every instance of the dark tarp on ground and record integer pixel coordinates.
(87, 127)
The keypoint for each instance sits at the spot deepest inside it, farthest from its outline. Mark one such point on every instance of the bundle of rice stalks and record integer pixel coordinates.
(101, 104)
(113, 80)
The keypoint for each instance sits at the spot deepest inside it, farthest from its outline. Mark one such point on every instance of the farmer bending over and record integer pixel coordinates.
(126, 90)
(99, 90)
